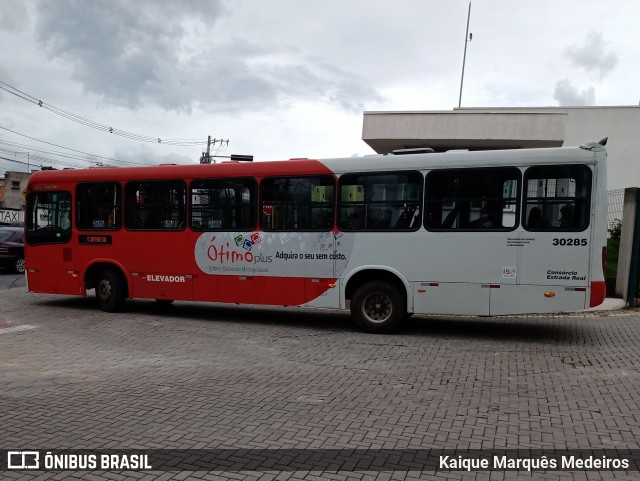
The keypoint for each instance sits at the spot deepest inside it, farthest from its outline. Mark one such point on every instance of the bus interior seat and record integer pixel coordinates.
(447, 223)
(408, 218)
(535, 220)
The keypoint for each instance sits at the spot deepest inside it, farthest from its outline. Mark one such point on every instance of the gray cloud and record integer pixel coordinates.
(567, 95)
(145, 52)
(592, 56)
(14, 15)
(119, 49)
(146, 155)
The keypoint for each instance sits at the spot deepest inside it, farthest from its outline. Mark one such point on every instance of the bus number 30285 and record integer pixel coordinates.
(570, 242)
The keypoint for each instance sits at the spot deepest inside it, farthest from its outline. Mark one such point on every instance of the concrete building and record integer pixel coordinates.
(14, 185)
(515, 128)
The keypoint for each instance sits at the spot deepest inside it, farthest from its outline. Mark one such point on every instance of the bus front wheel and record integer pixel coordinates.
(378, 307)
(110, 291)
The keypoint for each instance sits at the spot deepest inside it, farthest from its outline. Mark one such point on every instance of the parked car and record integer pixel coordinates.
(12, 248)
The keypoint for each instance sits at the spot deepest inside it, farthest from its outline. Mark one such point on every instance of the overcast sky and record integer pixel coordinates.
(290, 78)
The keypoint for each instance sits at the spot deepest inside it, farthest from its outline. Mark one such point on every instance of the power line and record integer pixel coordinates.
(31, 148)
(5, 159)
(34, 163)
(35, 160)
(96, 125)
(35, 157)
(73, 150)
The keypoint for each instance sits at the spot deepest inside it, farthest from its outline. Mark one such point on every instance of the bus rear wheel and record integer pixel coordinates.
(110, 291)
(378, 307)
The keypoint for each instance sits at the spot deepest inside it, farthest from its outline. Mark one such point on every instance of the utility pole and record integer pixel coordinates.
(207, 159)
(464, 58)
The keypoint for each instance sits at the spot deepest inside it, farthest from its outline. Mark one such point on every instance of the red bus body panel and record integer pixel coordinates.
(161, 265)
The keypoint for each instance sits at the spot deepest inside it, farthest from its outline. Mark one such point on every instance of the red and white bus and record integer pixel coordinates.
(471, 233)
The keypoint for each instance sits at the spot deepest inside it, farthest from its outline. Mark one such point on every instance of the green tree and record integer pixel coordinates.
(615, 229)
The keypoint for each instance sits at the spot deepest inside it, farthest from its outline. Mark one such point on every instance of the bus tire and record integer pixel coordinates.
(378, 307)
(110, 290)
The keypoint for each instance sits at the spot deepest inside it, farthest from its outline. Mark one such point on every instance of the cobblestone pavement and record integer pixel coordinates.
(208, 376)
(10, 280)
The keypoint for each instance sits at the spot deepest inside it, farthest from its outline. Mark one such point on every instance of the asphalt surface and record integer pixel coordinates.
(215, 377)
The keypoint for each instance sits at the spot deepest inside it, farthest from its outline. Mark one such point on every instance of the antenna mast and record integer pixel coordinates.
(464, 58)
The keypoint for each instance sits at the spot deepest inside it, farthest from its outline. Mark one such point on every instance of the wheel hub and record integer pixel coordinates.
(104, 290)
(377, 307)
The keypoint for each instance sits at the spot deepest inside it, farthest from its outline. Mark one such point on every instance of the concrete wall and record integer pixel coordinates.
(621, 125)
(14, 184)
(386, 131)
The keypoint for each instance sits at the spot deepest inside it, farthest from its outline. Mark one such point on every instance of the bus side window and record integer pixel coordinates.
(409, 217)
(223, 204)
(472, 199)
(155, 205)
(534, 220)
(98, 205)
(380, 201)
(304, 203)
(567, 218)
(557, 198)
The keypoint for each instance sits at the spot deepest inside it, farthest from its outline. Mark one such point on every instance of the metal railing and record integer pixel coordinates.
(616, 203)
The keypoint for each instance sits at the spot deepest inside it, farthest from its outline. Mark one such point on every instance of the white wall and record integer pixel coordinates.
(488, 128)
(622, 126)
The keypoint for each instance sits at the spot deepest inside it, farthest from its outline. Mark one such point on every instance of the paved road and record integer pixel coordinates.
(9, 279)
(196, 376)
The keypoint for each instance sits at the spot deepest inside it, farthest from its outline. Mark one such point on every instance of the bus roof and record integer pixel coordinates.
(422, 161)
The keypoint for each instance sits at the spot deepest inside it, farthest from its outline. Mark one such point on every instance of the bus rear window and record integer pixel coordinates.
(557, 198)
(48, 217)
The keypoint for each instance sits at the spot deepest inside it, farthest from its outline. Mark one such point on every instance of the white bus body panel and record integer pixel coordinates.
(328, 299)
(458, 298)
(523, 299)
(490, 273)
(460, 281)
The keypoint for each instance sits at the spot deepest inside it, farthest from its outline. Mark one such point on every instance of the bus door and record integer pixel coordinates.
(471, 213)
(49, 236)
(155, 253)
(553, 246)
(464, 281)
